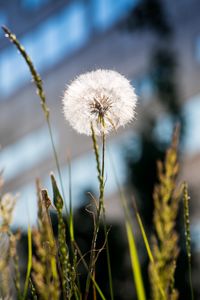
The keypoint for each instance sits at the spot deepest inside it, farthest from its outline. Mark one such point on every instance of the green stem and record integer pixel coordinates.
(104, 220)
(56, 157)
(100, 171)
(29, 264)
(91, 276)
(97, 225)
(71, 221)
(108, 257)
(188, 235)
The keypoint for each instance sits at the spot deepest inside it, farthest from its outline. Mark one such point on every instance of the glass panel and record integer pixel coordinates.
(192, 113)
(107, 12)
(47, 45)
(25, 153)
(197, 49)
(80, 180)
(33, 4)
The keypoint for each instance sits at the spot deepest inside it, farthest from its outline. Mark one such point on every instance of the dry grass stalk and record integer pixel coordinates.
(9, 261)
(165, 240)
(45, 273)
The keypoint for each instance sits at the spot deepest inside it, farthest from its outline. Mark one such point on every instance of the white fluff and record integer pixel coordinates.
(101, 93)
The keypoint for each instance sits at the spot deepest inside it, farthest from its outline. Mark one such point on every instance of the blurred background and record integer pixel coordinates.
(156, 45)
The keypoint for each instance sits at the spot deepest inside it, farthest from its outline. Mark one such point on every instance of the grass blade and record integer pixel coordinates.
(137, 275)
(148, 248)
(29, 264)
(89, 273)
(71, 221)
(135, 263)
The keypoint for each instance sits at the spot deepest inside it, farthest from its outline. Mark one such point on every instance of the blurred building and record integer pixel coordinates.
(64, 39)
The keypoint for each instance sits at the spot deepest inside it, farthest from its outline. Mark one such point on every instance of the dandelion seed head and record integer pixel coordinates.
(103, 98)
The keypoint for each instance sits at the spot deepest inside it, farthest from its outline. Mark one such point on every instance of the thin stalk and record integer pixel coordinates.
(29, 264)
(40, 91)
(13, 253)
(94, 290)
(108, 258)
(97, 224)
(90, 274)
(186, 199)
(56, 157)
(71, 221)
(100, 171)
(71, 226)
(104, 220)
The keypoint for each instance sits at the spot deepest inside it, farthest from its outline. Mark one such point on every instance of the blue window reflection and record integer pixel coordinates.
(192, 113)
(197, 49)
(28, 200)
(58, 37)
(28, 152)
(107, 12)
(33, 4)
(47, 45)
(3, 20)
(144, 88)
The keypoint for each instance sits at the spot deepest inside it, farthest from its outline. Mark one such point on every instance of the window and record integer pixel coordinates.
(3, 21)
(80, 180)
(33, 4)
(107, 12)
(57, 38)
(192, 114)
(197, 49)
(164, 128)
(28, 152)
(47, 45)
(144, 88)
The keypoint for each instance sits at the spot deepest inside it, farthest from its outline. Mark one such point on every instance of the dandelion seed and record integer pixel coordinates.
(103, 98)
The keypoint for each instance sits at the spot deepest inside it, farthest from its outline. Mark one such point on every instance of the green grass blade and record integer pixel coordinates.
(98, 289)
(135, 263)
(29, 264)
(148, 248)
(91, 277)
(137, 275)
(150, 255)
(71, 221)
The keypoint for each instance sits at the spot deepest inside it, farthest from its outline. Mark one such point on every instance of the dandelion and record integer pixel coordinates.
(103, 98)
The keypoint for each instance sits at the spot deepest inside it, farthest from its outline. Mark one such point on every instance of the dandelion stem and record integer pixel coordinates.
(104, 221)
(100, 171)
(96, 229)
